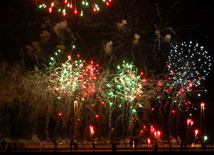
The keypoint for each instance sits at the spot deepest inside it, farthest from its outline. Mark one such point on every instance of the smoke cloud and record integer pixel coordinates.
(136, 39)
(60, 27)
(29, 49)
(108, 47)
(44, 36)
(37, 47)
(121, 25)
(167, 37)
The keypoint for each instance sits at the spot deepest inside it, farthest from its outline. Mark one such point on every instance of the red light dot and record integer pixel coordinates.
(159, 83)
(173, 111)
(50, 9)
(75, 11)
(60, 114)
(153, 109)
(91, 129)
(97, 116)
(189, 121)
(190, 84)
(107, 3)
(144, 80)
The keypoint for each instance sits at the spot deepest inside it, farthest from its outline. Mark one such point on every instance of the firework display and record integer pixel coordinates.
(188, 64)
(73, 6)
(74, 85)
(128, 92)
(74, 77)
(126, 87)
(97, 74)
(116, 100)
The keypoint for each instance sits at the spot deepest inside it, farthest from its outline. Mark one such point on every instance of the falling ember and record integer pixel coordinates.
(148, 140)
(91, 130)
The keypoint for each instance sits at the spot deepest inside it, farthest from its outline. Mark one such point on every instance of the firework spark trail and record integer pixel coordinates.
(75, 6)
(75, 79)
(74, 76)
(110, 99)
(127, 92)
(188, 64)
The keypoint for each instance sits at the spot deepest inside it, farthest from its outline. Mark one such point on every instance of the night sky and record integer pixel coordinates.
(190, 19)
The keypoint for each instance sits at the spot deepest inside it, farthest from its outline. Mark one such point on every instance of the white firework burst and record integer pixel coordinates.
(189, 63)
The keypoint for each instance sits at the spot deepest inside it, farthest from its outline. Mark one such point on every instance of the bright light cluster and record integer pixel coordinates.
(75, 6)
(126, 87)
(123, 91)
(188, 64)
(74, 78)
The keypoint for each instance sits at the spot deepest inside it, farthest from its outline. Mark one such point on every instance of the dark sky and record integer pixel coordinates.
(15, 16)
(190, 19)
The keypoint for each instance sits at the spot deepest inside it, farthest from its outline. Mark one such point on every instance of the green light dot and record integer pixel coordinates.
(133, 110)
